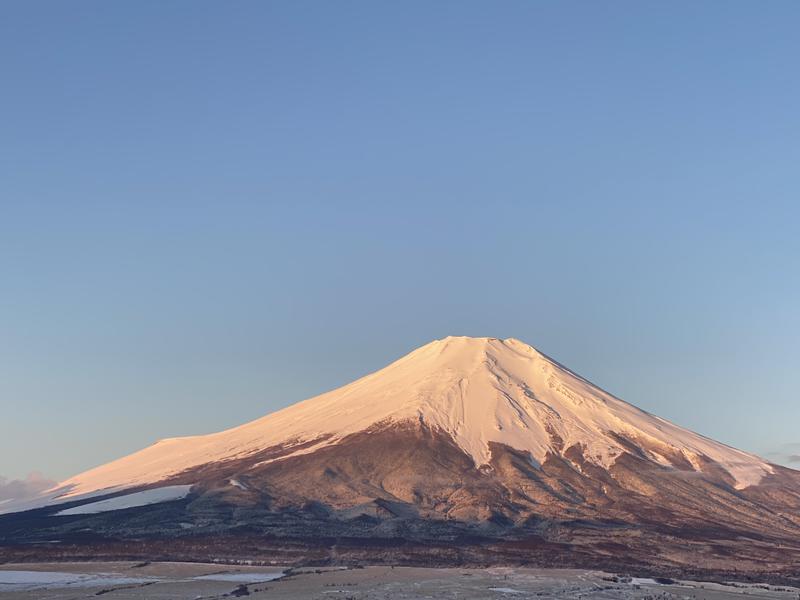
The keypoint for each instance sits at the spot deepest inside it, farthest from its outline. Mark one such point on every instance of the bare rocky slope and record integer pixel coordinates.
(466, 451)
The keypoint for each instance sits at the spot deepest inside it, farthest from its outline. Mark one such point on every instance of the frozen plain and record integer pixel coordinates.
(196, 581)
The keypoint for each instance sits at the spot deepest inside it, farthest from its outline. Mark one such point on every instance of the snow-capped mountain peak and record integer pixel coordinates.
(478, 391)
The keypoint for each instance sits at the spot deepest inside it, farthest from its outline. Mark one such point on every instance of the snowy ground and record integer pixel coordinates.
(14, 580)
(188, 581)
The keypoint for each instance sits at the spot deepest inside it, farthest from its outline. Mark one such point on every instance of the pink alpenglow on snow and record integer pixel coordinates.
(476, 390)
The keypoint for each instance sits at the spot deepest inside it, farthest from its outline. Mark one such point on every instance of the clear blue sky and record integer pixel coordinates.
(210, 210)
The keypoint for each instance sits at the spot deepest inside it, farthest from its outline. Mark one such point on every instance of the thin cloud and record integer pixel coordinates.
(20, 489)
(787, 455)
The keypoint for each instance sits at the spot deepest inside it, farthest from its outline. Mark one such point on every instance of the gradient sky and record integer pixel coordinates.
(210, 210)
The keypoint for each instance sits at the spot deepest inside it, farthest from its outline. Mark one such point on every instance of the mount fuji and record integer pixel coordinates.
(466, 450)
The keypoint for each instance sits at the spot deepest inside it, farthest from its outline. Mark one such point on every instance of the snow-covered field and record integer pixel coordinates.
(81, 580)
(15, 580)
(189, 581)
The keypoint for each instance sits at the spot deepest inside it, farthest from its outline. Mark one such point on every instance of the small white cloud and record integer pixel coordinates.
(20, 489)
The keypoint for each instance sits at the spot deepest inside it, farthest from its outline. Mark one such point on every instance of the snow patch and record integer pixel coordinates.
(144, 498)
(36, 580)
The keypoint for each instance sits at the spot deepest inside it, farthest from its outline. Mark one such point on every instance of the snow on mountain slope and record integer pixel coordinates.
(150, 496)
(478, 390)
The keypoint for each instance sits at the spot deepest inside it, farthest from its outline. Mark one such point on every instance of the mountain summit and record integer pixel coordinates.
(463, 436)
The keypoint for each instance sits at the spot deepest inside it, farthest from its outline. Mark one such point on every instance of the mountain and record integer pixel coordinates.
(467, 450)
